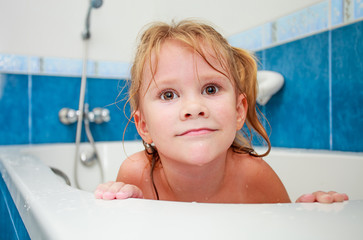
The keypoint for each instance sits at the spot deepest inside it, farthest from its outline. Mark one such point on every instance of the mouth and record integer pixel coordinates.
(197, 132)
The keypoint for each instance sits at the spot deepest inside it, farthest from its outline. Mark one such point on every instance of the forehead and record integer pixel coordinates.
(173, 54)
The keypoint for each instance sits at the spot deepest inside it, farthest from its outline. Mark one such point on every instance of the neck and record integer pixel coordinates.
(189, 183)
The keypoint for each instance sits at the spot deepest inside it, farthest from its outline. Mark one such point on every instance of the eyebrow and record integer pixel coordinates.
(219, 77)
(200, 77)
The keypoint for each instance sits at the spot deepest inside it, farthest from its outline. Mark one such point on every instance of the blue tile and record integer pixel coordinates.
(337, 15)
(13, 63)
(251, 39)
(260, 60)
(61, 66)
(104, 93)
(113, 69)
(267, 34)
(299, 112)
(49, 95)
(91, 68)
(358, 9)
(14, 109)
(303, 22)
(35, 65)
(347, 87)
(11, 224)
(7, 228)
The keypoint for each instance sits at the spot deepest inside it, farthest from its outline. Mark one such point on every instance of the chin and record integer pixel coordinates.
(202, 157)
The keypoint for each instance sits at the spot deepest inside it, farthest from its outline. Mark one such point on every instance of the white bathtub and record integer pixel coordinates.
(52, 210)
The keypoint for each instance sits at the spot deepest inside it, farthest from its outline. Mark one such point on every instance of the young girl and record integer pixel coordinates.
(190, 94)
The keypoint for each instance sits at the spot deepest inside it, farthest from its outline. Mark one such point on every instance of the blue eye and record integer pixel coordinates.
(168, 95)
(210, 90)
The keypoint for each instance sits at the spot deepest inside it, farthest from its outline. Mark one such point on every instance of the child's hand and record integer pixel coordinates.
(117, 190)
(323, 197)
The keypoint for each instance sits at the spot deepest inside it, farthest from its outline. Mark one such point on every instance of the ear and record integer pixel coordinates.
(141, 127)
(241, 108)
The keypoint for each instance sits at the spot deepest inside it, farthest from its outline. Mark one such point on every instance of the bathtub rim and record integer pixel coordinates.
(31, 199)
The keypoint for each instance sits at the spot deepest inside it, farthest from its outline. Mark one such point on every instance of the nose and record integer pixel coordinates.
(193, 110)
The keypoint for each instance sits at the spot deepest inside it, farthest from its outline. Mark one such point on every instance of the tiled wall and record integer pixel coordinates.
(318, 50)
(325, 15)
(320, 105)
(30, 106)
(11, 224)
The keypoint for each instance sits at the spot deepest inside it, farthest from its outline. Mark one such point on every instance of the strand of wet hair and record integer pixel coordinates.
(151, 151)
(153, 163)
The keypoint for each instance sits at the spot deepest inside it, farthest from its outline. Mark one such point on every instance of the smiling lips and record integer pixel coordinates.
(197, 132)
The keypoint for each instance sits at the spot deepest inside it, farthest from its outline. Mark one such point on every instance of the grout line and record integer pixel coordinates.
(330, 75)
(30, 85)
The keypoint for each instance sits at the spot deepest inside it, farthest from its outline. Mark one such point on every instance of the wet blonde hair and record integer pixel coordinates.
(237, 63)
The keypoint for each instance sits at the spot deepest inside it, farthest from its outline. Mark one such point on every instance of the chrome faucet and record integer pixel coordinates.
(97, 115)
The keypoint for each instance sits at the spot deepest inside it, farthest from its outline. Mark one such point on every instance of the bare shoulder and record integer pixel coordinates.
(256, 168)
(252, 165)
(133, 169)
(263, 182)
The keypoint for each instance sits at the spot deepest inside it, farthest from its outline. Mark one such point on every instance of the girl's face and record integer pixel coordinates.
(191, 111)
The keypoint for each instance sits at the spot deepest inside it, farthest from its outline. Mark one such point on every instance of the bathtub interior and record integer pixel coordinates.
(61, 157)
(301, 171)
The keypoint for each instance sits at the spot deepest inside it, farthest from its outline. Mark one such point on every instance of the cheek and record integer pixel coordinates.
(159, 119)
(226, 111)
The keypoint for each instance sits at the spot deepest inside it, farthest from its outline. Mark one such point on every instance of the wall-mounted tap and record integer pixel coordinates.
(68, 116)
(97, 115)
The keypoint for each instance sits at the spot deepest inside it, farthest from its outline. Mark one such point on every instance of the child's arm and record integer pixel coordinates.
(128, 179)
(323, 197)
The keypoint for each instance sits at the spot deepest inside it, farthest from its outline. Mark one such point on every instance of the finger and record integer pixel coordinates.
(107, 191)
(306, 198)
(129, 191)
(338, 197)
(110, 193)
(323, 197)
(346, 198)
(104, 186)
(115, 187)
(101, 188)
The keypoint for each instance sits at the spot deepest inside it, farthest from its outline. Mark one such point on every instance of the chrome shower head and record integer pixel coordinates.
(96, 3)
(93, 4)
